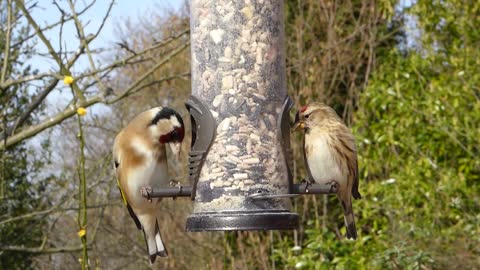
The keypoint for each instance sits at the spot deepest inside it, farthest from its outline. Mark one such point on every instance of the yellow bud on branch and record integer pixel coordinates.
(81, 111)
(68, 80)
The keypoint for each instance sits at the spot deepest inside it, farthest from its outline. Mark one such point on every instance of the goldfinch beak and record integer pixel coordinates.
(176, 148)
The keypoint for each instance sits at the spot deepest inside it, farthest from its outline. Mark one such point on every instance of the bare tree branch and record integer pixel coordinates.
(122, 62)
(63, 68)
(57, 119)
(99, 98)
(39, 99)
(54, 210)
(53, 25)
(143, 86)
(84, 39)
(25, 79)
(7, 42)
(41, 250)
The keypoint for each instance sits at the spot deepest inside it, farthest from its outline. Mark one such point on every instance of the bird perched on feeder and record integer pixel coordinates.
(140, 161)
(330, 155)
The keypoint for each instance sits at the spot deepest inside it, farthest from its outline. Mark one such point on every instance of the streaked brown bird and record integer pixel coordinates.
(330, 155)
(140, 161)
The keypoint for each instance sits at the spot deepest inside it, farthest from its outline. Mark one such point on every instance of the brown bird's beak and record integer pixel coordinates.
(298, 124)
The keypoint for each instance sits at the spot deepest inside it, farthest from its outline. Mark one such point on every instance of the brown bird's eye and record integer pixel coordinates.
(306, 116)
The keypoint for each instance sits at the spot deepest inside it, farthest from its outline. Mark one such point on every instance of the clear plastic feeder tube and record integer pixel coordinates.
(238, 72)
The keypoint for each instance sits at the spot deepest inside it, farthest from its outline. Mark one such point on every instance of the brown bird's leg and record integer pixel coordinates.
(333, 186)
(307, 182)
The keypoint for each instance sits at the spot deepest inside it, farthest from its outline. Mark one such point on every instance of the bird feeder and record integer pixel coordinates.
(238, 99)
(240, 163)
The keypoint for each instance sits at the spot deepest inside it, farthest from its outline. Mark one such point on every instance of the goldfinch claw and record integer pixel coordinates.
(146, 191)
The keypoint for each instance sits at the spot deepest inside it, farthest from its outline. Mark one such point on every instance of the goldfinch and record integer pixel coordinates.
(140, 161)
(330, 155)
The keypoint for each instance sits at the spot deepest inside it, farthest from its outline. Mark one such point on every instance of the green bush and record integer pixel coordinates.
(418, 135)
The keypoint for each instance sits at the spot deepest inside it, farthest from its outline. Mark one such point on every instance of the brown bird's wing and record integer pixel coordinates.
(129, 208)
(349, 151)
(355, 192)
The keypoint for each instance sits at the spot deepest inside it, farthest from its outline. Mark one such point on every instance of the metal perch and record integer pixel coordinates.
(297, 189)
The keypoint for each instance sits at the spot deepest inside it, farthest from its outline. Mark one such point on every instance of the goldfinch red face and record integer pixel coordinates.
(166, 127)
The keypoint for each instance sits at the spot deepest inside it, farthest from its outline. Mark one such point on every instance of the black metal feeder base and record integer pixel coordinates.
(258, 220)
(242, 221)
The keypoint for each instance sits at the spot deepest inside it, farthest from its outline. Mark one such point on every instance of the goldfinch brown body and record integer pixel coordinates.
(140, 161)
(331, 156)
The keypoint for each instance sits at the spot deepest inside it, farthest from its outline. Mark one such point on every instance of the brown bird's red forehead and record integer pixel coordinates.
(304, 108)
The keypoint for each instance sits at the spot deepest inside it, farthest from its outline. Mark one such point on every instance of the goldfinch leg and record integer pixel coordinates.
(174, 183)
(146, 191)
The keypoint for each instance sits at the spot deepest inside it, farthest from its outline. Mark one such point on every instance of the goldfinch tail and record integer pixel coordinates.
(155, 245)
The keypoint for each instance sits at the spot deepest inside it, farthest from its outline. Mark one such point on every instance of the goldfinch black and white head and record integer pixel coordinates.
(166, 126)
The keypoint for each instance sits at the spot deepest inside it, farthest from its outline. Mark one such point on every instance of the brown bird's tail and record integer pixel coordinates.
(349, 217)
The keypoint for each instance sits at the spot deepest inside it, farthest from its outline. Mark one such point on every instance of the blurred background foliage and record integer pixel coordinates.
(417, 124)
(404, 75)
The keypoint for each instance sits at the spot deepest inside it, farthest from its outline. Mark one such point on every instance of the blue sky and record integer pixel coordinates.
(122, 10)
(46, 13)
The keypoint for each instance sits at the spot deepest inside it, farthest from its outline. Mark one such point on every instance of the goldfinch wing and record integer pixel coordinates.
(117, 167)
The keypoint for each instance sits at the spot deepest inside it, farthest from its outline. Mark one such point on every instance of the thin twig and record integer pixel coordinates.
(122, 62)
(53, 210)
(102, 212)
(159, 81)
(39, 98)
(84, 40)
(40, 250)
(82, 199)
(60, 117)
(6, 55)
(28, 78)
(137, 83)
(51, 26)
(63, 68)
